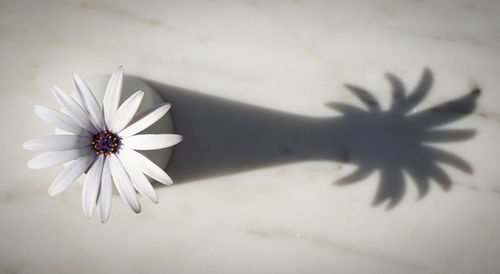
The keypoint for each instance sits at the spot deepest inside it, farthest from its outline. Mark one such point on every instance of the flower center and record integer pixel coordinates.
(106, 143)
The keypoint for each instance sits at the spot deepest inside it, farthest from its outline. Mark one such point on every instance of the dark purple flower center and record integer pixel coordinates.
(106, 143)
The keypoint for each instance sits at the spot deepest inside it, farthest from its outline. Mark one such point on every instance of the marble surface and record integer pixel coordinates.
(250, 82)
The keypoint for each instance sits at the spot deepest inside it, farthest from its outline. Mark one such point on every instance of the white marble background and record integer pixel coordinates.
(289, 55)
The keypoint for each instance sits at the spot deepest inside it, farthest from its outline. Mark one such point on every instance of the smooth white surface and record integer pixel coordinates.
(291, 56)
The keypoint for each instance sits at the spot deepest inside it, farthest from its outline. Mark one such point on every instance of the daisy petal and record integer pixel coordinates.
(57, 142)
(145, 119)
(89, 101)
(70, 174)
(54, 158)
(74, 109)
(59, 120)
(105, 194)
(139, 181)
(112, 95)
(91, 186)
(151, 141)
(123, 184)
(146, 166)
(126, 111)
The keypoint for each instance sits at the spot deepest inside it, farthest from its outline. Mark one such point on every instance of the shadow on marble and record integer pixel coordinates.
(224, 137)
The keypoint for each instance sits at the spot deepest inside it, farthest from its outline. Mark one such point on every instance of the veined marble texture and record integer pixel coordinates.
(259, 195)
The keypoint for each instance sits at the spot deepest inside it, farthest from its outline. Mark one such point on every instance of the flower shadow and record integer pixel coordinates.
(399, 140)
(224, 137)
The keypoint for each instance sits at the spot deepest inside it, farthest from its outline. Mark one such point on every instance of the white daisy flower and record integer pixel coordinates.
(102, 143)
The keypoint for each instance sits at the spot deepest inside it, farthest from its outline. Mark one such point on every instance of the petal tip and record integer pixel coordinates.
(27, 145)
(52, 192)
(56, 89)
(30, 165)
